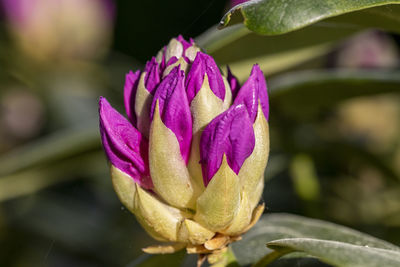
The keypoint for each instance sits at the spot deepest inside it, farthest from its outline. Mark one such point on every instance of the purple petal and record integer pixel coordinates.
(17, 11)
(230, 133)
(233, 83)
(130, 88)
(153, 75)
(174, 109)
(237, 2)
(123, 144)
(253, 90)
(185, 43)
(171, 61)
(110, 8)
(204, 64)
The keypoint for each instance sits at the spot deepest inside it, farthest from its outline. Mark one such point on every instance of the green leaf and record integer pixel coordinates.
(304, 92)
(277, 226)
(338, 253)
(271, 64)
(37, 178)
(49, 149)
(273, 17)
(304, 177)
(240, 49)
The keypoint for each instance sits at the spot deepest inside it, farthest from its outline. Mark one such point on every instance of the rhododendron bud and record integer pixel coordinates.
(189, 162)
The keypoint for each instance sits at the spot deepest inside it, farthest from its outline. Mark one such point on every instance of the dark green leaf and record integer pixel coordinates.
(272, 17)
(39, 177)
(239, 48)
(57, 146)
(338, 253)
(304, 92)
(278, 226)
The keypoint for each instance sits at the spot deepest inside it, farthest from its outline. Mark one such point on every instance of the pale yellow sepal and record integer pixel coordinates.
(204, 107)
(219, 203)
(218, 242)
(255, 198)
(160, 56)
(167, 249)
(228, 94)
(183, 65)
(167, 168)
(124, 186)
(174, 49)
(159, 219)
(191, 52)
(253, 167)
(143, 100)
(126, 191)
(193, 233)
(242, 218)
(257, 212)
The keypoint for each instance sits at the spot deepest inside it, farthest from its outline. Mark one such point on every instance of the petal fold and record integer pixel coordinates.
(253, 91)
(233, 83)
(131, 84)
(153, 75)
(123, 144)
(204, 64)
(231, 134)
(174, 109)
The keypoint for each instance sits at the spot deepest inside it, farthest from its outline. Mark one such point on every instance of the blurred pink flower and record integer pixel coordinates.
(370, 49)
(48, 29)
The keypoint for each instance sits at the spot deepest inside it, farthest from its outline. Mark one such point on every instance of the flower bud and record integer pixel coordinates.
(189, 164)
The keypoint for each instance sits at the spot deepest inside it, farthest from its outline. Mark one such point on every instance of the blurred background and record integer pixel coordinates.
(335, 138)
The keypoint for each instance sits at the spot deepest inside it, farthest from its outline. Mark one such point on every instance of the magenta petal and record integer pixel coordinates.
(185, 43)
(204, 64)
(153, 75)
(231, 133)
(233, 83)
(174, 109)
(171, 61)
(130, 88)
(253, 90)
(123, 144)
(237, 2)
